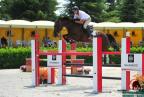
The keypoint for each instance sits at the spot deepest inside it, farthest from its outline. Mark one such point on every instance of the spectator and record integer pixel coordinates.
(47, 42)
(4, 42)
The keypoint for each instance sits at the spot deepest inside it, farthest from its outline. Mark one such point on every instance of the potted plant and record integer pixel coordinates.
(137, 83)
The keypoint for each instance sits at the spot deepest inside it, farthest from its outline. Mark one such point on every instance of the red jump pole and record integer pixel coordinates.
(125, 81)
(37, 75)
(99, 69)
(52, 75)
(128, 72)
(63, 62)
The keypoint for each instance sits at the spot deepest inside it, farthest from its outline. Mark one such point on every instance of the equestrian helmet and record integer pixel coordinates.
(75, 8)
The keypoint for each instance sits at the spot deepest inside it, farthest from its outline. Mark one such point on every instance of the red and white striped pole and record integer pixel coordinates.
(125, 81)
(97, 64)
(35, 60)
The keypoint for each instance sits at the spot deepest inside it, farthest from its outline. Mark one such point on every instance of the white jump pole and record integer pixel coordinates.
(33, 62)
(59, 74)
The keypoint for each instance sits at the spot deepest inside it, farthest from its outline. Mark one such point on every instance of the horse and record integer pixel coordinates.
(76, 32)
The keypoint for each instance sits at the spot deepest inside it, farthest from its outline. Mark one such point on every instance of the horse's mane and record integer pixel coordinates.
(65, 18)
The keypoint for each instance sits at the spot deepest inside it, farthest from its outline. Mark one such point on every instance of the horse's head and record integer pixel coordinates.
(57, 27)
(59, 24)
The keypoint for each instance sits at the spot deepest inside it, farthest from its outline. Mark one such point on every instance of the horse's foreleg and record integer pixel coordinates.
(65, 37)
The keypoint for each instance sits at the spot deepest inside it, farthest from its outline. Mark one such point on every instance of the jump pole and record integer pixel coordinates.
(97, 64)
(35, 60)
(125, 74)
(62, 69)
(33, 63)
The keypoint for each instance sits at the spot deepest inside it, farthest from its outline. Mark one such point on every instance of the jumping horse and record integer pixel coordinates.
(77, 33)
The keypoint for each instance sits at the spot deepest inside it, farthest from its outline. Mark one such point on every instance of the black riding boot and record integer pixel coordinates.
(89, 30)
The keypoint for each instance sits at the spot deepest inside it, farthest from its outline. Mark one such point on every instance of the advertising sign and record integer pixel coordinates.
(54, 60)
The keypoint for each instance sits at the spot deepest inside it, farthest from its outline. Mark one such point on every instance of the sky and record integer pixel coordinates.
(60, 6)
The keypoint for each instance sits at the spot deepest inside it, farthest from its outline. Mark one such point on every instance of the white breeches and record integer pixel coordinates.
(87, 22)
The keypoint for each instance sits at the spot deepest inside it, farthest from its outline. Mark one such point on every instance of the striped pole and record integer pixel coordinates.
(35, 60)
(97, 64)
(62, 68)
(125, 82)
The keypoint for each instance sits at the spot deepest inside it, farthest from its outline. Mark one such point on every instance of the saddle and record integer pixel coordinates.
(88, 30)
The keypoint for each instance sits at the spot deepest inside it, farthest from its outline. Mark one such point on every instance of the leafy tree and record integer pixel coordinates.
(112, 12)
(140, 10)
(29, 9)
(132, 11)
(5, 5)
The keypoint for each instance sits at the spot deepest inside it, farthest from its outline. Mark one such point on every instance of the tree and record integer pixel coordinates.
(112, 12)
(5, 5)
(140, 10)
(132, 11)
(29, 9)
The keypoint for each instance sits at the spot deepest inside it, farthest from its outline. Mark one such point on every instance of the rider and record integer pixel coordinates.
(82, 17)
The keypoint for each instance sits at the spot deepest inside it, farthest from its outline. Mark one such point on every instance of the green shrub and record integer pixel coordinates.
(13, 57)
(116, 59)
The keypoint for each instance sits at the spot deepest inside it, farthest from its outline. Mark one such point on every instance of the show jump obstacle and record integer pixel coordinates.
(57, 60)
